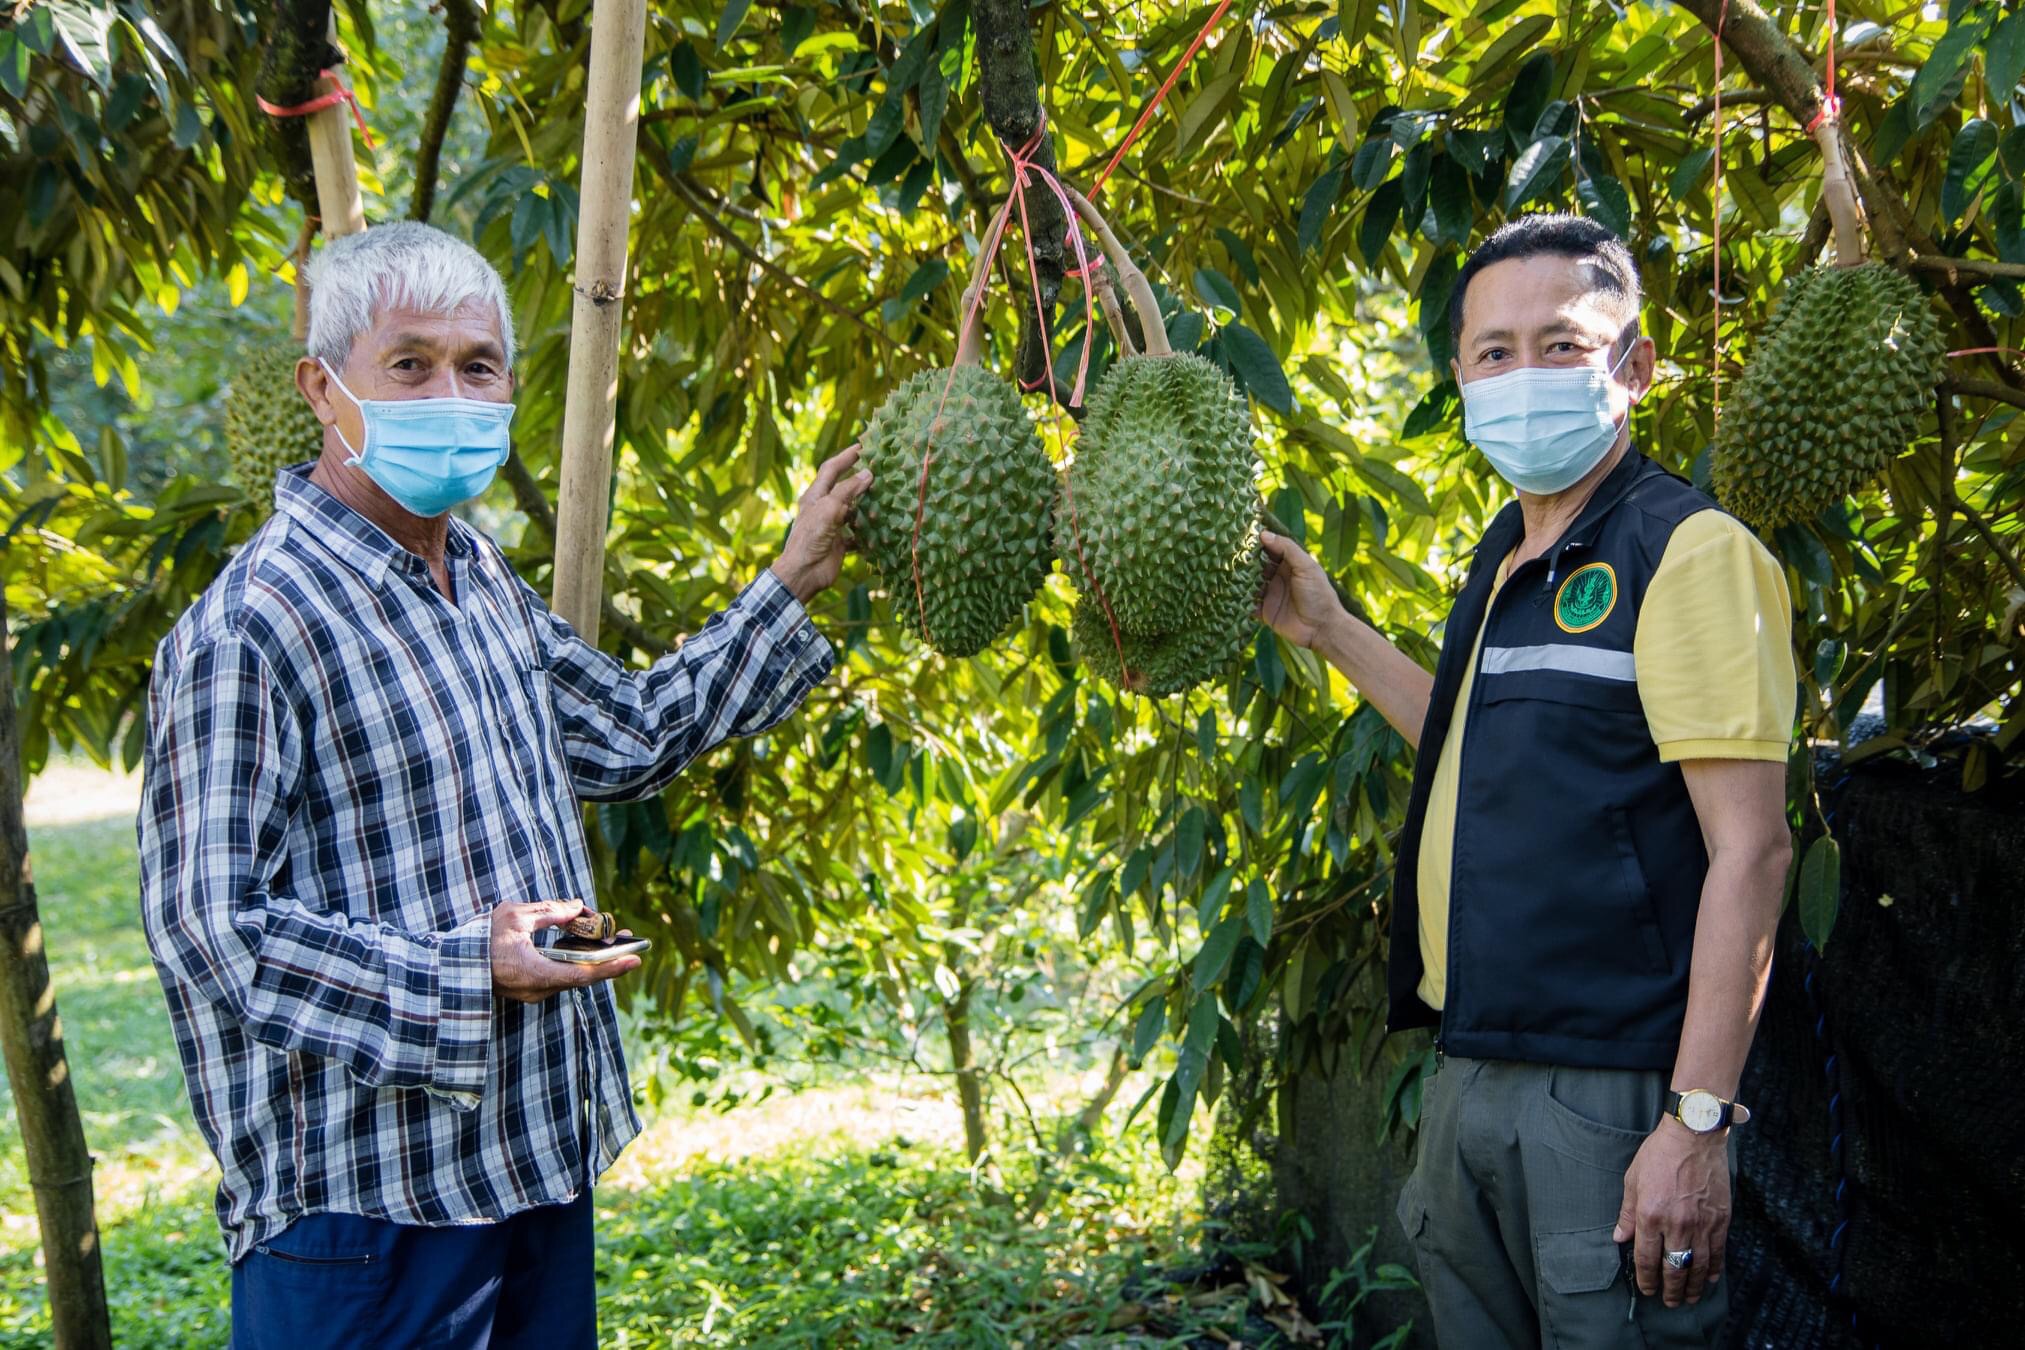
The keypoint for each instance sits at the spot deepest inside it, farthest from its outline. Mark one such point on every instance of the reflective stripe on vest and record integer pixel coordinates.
(1576, 660)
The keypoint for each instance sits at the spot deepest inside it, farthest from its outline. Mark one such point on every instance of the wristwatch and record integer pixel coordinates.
(1704, 1112)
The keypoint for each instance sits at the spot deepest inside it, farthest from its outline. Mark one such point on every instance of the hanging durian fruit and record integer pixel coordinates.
(968, 541)
(1843, 372)
(1159, 518)
(268, 423)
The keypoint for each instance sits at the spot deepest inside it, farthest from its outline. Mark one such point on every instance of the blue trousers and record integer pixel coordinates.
(339, 1280)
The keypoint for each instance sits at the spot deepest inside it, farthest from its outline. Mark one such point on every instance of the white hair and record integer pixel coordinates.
(404, 263)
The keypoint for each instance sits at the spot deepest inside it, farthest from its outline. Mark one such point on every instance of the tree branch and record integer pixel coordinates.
(460, 21)
(1982, 267)
(1010, 91)
(1991, 389)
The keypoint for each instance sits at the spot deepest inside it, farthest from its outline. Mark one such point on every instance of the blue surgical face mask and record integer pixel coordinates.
(1543, 427)
(429, 454)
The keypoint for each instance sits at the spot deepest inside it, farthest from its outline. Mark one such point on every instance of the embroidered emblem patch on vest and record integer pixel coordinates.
(1586, 598)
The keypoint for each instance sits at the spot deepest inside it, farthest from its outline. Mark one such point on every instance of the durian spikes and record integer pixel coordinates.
(1137, 289)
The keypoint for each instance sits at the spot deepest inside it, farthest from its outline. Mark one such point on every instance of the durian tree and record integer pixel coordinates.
(815, 179)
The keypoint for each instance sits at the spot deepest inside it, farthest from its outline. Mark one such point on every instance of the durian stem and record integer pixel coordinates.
(1130, 277)
(970, 317)
(1839, 194)
(1114, 317)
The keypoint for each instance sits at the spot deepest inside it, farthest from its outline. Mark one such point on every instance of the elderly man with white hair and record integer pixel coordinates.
(360, 831)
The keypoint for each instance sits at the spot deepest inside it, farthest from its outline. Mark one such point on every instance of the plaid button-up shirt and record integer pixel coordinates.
(345, 773)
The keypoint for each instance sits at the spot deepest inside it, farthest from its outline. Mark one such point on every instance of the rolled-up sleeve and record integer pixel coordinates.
(224, 771)
(626, 733)
(1715, 646)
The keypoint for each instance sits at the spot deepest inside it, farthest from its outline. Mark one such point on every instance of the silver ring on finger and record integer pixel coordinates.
(1681, 1259)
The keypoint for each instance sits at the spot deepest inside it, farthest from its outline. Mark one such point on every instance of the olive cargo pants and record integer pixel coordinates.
(1514, 1193)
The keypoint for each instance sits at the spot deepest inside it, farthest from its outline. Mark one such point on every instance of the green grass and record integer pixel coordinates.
(829, 1231)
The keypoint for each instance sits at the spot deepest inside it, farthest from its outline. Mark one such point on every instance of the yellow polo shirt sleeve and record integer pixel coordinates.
(1715, 646)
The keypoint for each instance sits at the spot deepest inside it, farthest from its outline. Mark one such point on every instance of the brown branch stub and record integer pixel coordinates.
(1009, 88)
(460, 22)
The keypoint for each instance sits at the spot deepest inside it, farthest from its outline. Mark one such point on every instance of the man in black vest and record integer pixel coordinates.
(1596, 846)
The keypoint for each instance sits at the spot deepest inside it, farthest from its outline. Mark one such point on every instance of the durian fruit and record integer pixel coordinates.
(268, 423)
(1177, 661)
(1844, 371)
(1159, 520)
(1163, 482)
(985, 544)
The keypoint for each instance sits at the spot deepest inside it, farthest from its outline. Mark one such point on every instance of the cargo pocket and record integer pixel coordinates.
(1584, 1300)
(1412, 1215)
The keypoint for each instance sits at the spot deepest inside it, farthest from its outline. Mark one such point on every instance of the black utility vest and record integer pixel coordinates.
(1578, 857)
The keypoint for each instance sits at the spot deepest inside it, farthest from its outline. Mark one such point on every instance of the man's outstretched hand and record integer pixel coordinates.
(1299, 603)
(519, 970)
(815, 547)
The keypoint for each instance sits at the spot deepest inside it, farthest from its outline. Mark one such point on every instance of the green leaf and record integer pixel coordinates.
(1605, 199)
(1381, 214)
(728, 20)
(2004, 57)
(1689, 172)
(1970, 161)
(1354, 19)
(686, 69)
(934, 103)
(1940, 79)
(1095, 895)
(1537, 171)
(14, 58)
(1372, 162)
(1317, 204)
(1146, 1030)
(1527, 97)
(1217, 291)
(1820, 890)
(1448, 188)
(1216, 951)
(1260, 368)
(924, 279)
(1259, 913)
(1434, 411)
(1188, 840)
(1203, 111)
(1829, 654)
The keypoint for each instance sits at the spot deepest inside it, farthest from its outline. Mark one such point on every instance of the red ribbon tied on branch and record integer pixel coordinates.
(340, 92)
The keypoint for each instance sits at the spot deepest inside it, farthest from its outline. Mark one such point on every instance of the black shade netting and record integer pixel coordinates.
(1881, 1194)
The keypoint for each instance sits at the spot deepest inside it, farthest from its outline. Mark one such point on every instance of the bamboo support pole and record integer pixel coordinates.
(45, 1103)
(590, 402)
(337, 171)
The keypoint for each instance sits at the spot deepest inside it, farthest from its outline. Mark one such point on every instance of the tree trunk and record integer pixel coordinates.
(1010, 91)
(52, 1135)
(298, 47)
(969, 1082)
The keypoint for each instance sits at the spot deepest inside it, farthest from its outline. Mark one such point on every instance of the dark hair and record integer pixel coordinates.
(1577, 237)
